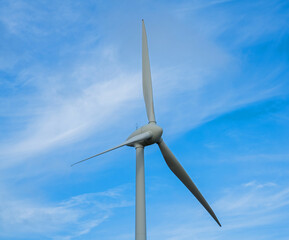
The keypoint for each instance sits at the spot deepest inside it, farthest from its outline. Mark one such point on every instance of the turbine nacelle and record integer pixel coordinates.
(151, 128)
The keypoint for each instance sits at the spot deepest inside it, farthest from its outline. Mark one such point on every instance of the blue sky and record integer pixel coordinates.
(70, 87)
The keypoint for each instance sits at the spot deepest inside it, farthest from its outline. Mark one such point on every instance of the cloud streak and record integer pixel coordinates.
(246, 208)
(67, 219)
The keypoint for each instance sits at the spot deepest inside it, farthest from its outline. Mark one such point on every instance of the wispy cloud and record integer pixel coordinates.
(69, 119)
(67, 219)
(197, 5)
(241, 209)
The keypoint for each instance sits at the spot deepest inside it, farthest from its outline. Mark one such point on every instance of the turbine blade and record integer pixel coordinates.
(132, 140)
(146, 77)
(180, 172)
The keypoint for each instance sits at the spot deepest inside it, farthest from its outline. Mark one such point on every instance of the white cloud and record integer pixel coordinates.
(241, 209)
(258, 185)
(66, 119)
(67, 219)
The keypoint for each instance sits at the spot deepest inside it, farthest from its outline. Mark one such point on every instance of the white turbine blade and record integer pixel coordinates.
(132, 140)
(180, 172)
(146, 77)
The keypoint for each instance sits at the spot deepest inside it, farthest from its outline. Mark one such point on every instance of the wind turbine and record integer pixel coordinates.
(148, 135)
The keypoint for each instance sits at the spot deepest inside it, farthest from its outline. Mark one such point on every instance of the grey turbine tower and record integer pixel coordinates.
(147, 135)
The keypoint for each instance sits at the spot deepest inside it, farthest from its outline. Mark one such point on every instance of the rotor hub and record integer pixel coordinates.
(153, 128)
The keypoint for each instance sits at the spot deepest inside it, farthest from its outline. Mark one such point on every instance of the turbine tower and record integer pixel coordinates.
(148, 135)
